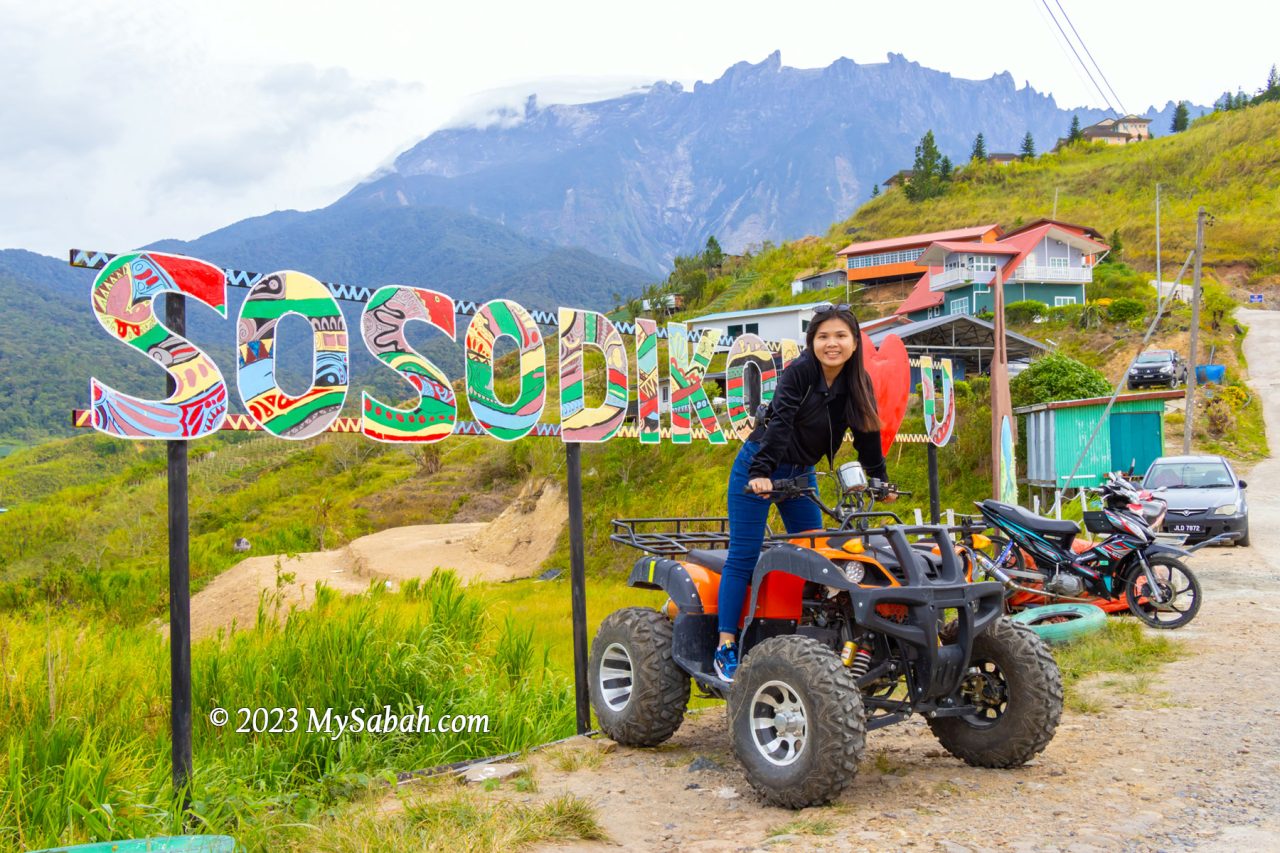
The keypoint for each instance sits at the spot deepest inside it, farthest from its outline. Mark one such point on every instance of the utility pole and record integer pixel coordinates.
(1159, 280)
(1195, 334)
(1055, 203)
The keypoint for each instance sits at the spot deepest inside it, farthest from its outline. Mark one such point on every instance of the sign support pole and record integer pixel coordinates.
(935, 502)
(179, 588)
(578, 586)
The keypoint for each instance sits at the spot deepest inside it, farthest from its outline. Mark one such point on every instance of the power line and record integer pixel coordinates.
(1090, 55)
(1081, 62)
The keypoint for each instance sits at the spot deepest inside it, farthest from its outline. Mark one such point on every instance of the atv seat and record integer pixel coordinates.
(1030, 520)
(713, 560)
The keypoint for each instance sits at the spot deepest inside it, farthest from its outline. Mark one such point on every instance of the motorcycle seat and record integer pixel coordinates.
(1030, 520)
(713, 560)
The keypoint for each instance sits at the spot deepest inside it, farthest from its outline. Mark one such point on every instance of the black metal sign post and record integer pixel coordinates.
(179, 587)
(935, 501)
(578, 585)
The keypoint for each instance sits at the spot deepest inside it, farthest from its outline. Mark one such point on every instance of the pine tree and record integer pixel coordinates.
(1028, 147)
(979, 151)
(1116, 255)
(1074, 134)
(713, 256)
(926, 179)
(1271, 92)
(1180, 118)
(944, 169)
(875, 190)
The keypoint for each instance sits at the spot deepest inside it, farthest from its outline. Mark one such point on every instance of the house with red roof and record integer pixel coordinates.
(890, 265)
(1047, 261)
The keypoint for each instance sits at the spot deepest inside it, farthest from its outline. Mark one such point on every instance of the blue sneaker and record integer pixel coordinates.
(726, 661)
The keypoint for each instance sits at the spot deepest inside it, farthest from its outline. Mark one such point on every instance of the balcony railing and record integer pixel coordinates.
(1026, 272)
(949, 278)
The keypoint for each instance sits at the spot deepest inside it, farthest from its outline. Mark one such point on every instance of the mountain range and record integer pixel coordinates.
(766, 152)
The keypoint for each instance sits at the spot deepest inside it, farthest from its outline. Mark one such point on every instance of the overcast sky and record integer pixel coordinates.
(126, 122)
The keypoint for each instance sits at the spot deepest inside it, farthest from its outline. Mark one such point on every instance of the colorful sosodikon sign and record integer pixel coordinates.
(122, 301)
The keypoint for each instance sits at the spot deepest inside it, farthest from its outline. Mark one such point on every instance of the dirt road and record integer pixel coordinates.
(1191, 763)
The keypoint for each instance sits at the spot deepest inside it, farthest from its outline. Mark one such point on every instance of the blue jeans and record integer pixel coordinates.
(747, 516)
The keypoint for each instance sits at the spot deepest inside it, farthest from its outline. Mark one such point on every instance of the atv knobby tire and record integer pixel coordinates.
(1020, 702)
(638, 693)
(796, 722)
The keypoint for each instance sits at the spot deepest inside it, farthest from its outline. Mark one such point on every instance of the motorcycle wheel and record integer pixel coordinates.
(1172, 576)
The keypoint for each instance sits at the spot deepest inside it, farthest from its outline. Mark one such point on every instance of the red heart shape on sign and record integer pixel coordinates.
(891, 378)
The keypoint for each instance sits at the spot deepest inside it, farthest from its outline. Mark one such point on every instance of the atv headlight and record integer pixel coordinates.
(854, 571)
(1226, 509)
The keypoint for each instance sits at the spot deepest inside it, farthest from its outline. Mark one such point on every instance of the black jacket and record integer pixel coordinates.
(807, 421)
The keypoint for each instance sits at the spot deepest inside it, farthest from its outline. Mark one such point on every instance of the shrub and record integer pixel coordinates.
(981, 385)
(1069, 315)
(963, 390)
(1057, 377)
(1219, 417)
(1025, 311)
(1236, 396)
(1124, 309)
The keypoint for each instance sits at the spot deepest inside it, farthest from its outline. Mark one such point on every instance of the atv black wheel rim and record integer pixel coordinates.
(986, 689)
(616, 679)
(779, 723)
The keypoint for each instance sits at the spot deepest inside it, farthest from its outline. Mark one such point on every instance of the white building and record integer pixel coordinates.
(771, 324)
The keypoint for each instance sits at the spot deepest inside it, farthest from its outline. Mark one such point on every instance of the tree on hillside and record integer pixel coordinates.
(1271, 91)
(875, 190)
(713, 255)
(1116, 255)
(1181, 118)
(944, 169)
(1074, 134)
(926, 172)
(1028, 147)
(979, 151)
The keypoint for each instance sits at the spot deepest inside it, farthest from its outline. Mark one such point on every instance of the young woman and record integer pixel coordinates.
(820, 395)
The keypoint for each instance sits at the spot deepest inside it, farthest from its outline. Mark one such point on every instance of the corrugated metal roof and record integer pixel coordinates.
(918, 239)
(1095, 401)
(755, 312)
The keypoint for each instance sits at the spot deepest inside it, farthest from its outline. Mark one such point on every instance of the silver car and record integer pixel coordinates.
(1205, 497)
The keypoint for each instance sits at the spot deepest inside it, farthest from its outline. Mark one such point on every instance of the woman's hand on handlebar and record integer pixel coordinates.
(760, 485)
(889, 497)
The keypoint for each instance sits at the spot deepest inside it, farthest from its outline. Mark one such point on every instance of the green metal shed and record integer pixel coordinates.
(1056, 432)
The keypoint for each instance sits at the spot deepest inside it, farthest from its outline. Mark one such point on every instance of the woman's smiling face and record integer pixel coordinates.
(834, 343)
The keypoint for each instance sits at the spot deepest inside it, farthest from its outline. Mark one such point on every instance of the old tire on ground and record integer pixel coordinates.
(638, 693)
(1061, 623)
(796, 722)
(1015, 684)
(1172, 575)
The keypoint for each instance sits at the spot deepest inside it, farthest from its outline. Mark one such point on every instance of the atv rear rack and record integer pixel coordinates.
(675, 537)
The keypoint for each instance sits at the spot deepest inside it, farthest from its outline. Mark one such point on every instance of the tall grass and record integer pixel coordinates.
(84, 714)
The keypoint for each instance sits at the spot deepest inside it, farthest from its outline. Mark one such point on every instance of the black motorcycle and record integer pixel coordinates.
(1133, 562)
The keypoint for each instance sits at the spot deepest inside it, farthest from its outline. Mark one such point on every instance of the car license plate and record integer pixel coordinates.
(1187, 528)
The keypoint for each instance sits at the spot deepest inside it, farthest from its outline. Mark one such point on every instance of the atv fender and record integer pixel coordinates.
(670, 577)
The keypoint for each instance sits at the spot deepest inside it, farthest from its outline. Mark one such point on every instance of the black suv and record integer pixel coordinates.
(1158, 367)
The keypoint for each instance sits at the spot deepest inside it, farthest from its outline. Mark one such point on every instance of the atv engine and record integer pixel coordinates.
(1064, 584)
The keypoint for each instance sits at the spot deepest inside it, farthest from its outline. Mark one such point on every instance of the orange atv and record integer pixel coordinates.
(845, 629)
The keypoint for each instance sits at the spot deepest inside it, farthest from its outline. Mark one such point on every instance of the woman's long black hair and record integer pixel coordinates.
(860, 407)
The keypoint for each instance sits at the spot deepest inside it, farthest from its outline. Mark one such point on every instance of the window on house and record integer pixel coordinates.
(1059, 301)
(959, 306)
(1058, 263)
(983, 263)
(735, 331)
(753, 328)
(935, 311)
(982, 287)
